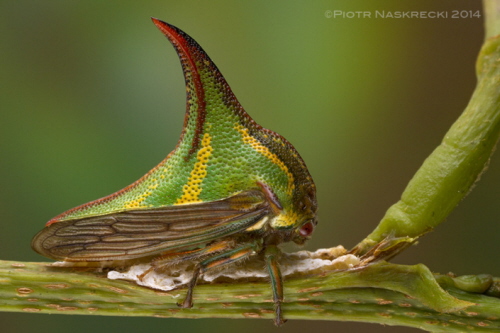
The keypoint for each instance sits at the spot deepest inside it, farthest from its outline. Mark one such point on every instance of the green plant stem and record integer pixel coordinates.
(453, 168)
(370, 295)
(492, 18)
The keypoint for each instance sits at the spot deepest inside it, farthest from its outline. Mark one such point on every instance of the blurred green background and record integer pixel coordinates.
(92, 97)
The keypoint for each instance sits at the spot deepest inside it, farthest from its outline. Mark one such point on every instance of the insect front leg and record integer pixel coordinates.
(217, 261)
(272, 255)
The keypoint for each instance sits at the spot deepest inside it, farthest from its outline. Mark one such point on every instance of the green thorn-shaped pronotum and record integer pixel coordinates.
(229, 189)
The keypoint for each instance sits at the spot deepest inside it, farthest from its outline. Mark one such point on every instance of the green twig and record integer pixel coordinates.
(492, 18)
(379, 293)
(453, 168)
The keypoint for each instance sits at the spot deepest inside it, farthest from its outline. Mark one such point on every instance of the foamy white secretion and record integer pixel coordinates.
(291, 263)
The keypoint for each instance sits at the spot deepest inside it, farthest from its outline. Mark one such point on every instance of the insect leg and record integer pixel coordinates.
(217, 261)
(193, 255)
(171, 258)
(272, 254)
(164, 260)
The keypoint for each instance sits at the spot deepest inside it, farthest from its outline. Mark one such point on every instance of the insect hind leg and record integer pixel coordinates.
(217, 261)
(173, 258)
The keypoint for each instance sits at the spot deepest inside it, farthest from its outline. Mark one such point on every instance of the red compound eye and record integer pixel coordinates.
(307, 229)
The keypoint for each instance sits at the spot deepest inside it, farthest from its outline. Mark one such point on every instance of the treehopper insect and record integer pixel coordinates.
(230, 189)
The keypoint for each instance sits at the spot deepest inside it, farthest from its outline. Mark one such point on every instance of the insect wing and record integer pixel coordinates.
(141, 233)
